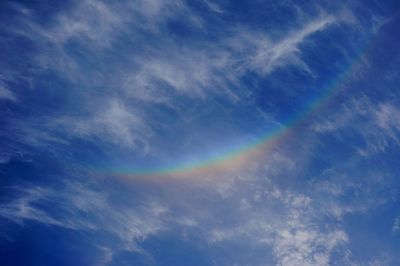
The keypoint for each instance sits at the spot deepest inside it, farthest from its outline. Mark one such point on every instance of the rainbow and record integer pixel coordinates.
(237, 157)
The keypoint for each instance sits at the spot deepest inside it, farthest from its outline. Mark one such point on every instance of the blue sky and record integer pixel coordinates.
(199, 132)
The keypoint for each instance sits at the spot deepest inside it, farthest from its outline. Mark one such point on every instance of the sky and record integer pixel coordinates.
(207, 132)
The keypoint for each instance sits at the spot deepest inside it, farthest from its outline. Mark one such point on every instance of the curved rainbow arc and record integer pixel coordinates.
(241, 155)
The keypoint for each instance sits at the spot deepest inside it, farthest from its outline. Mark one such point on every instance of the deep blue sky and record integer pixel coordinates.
(94, 92)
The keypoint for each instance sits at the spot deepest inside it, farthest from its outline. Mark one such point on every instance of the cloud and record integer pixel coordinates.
(96, 23)
(376, 123)
(195, 72)
(213, 7)
(270, 55)
(105, 123)
(21, 209)
(293, 229)
(306, 246)
(6, 94)
(78, 207)
(396, 225)
(344, 189)
(387, 118)
(114, 123)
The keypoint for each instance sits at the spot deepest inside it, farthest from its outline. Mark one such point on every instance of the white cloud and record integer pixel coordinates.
(195, 72)
(96, 23)
(396, 225)
(307, 246)
(213, 6)
(378, 22)
(269, 55)
(387, 118)
(294, 233)
(302, 240)
(378, 124)
(345, 190)
(22, 209)
(114, 123)
(111, 122)
(6, 94)
(82, 208)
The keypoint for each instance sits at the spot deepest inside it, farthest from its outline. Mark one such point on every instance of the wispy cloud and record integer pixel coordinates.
(294, 233)
(376, 123)
(396, 225)
(114, 123)
(81, 208)
(270, 55)
(6, 94)
(213, 6)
